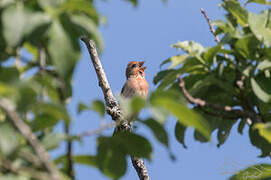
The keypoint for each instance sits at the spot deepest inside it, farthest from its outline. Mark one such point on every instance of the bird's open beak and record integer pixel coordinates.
(141, 63)
(143, 68)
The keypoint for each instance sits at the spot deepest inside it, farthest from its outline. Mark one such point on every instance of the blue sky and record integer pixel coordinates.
(146, 33)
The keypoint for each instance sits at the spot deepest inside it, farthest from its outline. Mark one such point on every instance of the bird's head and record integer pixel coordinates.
(135, 68)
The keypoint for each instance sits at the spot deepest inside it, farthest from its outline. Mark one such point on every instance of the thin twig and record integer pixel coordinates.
(25, 171)
(219, 107)
(97, 131)
(113, 108)
(217, 114)
(69, 146)
(42, 58)
(30, 137)
(18, 57)
(212, 29)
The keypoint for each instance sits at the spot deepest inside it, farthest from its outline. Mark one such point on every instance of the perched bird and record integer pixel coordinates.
(136, 84)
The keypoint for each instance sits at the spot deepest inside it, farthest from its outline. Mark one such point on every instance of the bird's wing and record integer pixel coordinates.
(127, 90)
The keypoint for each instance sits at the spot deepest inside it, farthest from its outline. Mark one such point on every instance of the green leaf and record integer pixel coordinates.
(259, 141)
(241, 126)
(223, 133)
(210, 53)
(5, 3)
(247, 46)
(99, 107)
(259, 92)
(184, 115)
(137, 104)
(52, 140)
(160, 75)
(36, 25)
(264, 82)
(129, 144)
(81, 107)
(55, 110)
(159, 114)
(255, 172)
(28, 95)
(13, 177)
(222, 27)
(134, 2)
(64, 58)
(107, 158)
(168, 79)
(158, 130)
(9, 75)
(49, 4)
(175, 61)
(8, 139)
(265, 2)
(88, 160)
(86, 26)
(237, 11)
(136, 145)
(189, 47)
(19, 22)
(131, 107)
(43, 121)
(81, 6)
(260, 25)
(6, 90)
(179, 133)
(115, 149)
(263, 65)
(13, 19)
(264, 130)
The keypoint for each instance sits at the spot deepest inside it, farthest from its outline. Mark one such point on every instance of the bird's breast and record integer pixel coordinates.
(135, 86)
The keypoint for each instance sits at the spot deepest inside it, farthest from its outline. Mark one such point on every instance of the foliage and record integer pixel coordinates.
(235, 73)
(40, 86)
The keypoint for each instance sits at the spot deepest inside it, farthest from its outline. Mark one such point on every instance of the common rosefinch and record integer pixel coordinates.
(136, 84)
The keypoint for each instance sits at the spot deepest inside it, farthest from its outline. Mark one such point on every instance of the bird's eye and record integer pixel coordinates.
(134, 65)
(141, 73)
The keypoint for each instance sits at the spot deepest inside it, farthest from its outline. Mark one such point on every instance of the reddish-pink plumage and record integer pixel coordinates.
(136, 83)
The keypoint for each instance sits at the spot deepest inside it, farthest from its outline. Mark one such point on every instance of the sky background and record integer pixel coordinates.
(146, 33)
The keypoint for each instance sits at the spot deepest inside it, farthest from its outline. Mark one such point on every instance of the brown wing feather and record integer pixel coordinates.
(127, 90)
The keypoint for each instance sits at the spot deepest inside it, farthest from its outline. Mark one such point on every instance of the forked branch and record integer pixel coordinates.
(24, 129)
(216, 107)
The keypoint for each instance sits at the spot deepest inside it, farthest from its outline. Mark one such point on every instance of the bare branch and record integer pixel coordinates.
(18, 57)
(69, 147)
(240, 83)
(25, 171)
(219, 107)
(42, 58)
(30, 137)
(111, 102)
(142, 172)
(113, 108)
(97, 131)
(212, 29)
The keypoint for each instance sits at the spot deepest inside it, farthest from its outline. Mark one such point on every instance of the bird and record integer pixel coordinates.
(136, 84)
